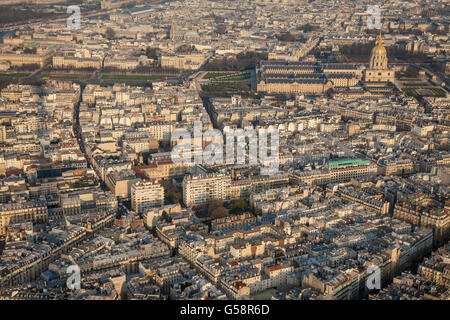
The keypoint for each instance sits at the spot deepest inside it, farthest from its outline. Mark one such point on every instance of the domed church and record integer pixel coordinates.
(378, 70)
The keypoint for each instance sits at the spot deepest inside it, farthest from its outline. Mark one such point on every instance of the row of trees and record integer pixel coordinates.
(185, 48)
(400, 54)
(360, 52)
(152, 53)
(215, 209)
(289, 37)
(307, 28)
(25, 67)
(12, 14)
(409, 72)
(110, 33)
(4, 83)
(242, 61)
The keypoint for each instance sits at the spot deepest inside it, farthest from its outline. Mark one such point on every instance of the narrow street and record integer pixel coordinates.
(79, 137)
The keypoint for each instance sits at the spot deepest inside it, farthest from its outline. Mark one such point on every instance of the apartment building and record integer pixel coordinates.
(436, 268)
(344, 170)
(146, 194)
(398, 167)
(120, 182)
(30, 211)
(200, 189)
(163, 169)
(340, 171)
(161, 131)
(140, 144)
(85, 201)
(421, 211)
(233, 222)
(3, 135)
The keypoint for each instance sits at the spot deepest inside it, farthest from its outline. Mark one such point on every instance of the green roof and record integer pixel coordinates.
(347, 162)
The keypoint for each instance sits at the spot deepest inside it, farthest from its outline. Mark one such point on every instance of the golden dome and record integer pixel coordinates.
(379, 49)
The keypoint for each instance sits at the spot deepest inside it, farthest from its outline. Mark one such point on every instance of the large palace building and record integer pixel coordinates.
(315, 78)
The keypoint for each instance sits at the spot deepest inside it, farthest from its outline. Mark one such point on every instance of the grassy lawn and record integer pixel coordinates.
(411, 91)
(409, 79)
(237, 77)
(226, 88)
(228, 76)
(74, 76)
(211, 75)
(226, 83)
(220, 86)
(438, 91)
(134, 77)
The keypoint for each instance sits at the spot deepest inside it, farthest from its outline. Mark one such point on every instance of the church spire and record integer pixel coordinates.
(379, 40)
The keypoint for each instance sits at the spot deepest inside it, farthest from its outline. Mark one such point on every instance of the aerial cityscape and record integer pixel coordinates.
(224, 150)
